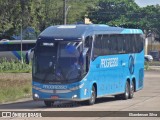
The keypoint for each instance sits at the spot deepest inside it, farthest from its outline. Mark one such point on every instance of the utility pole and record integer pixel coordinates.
(22, 2)
(21, 42)
(64, 12)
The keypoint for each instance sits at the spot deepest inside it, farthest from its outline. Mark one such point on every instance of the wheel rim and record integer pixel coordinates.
(93, 95)
(132, 90)
(127, 91)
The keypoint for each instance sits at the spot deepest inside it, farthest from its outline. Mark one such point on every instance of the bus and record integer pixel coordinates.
(85, 62)
(11, 49)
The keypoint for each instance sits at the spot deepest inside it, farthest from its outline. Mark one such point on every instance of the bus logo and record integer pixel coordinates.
(109, 62)
(131, 64)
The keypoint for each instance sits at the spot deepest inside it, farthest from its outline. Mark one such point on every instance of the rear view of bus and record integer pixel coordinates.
(84, 62)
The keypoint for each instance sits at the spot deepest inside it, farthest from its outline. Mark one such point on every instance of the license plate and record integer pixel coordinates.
(54, 97)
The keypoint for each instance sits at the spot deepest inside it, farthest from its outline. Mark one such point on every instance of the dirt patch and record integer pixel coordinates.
(14, 79)
(15, 76)
(14, 86)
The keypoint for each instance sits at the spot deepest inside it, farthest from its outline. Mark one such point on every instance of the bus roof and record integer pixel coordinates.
(17, 41)
(77, 32)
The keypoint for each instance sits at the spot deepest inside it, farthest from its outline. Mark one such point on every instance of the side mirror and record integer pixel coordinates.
(85, 50)
(83, 55)
(29, 55)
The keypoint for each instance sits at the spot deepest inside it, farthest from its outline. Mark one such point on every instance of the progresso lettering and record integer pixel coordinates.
(54, 87)
(109, 62)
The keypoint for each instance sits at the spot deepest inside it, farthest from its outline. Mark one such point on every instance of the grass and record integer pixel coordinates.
(15, 80)
(14, 86)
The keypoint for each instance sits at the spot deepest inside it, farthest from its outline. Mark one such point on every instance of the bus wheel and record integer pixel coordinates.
(125, 96)
(131, 91)
(48, 103)
(92, 100)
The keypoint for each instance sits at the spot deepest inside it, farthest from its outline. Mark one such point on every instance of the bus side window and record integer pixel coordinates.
(97, 47)
(15, 47)
(3, 47)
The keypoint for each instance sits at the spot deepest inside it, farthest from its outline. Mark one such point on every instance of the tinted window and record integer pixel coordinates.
(117, 44)
(88, 42)
(16, 47)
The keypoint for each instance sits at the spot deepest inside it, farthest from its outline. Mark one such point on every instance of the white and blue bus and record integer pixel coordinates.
(11, 49)
(85, 62)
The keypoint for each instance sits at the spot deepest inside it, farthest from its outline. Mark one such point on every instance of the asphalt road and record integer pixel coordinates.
(147, 99)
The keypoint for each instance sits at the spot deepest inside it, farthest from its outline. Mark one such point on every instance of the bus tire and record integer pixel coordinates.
(131, 91)
(48, 103)
(92, 99)
(125, 96)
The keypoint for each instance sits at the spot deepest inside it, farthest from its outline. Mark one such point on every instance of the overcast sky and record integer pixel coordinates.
(144, 3)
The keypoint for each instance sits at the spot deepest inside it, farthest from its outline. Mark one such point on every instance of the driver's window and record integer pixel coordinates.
(88, 46)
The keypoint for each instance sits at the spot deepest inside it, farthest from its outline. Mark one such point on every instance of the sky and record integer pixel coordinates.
(144, 3)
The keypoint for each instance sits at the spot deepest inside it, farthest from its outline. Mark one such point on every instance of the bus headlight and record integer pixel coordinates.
(74, 96)
(77, 87)
(35, 96)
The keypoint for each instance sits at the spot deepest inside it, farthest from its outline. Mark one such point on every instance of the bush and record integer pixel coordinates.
(154, 63)
(146, 65)
(14, 66)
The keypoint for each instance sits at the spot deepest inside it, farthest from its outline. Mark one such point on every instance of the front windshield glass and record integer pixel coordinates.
(59, 62)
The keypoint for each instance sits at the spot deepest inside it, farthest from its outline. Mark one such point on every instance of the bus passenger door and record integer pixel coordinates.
(122, 72)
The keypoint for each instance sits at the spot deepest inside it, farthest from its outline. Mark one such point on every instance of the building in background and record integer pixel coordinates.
(152, 45)
(87, 21)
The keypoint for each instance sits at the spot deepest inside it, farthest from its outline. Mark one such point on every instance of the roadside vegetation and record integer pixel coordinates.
(14, 66)
(146, 65)
(153, 63)
(15, 80)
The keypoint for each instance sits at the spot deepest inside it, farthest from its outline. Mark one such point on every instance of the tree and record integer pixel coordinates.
(9, 16)
(112, 11)
(15, 14)
(78, 10)
(126, 13)
(38, 14)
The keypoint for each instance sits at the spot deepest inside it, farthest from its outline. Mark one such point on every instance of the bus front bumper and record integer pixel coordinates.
(76, 94)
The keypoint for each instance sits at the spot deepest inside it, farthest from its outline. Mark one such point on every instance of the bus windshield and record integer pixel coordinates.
(59, 62)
